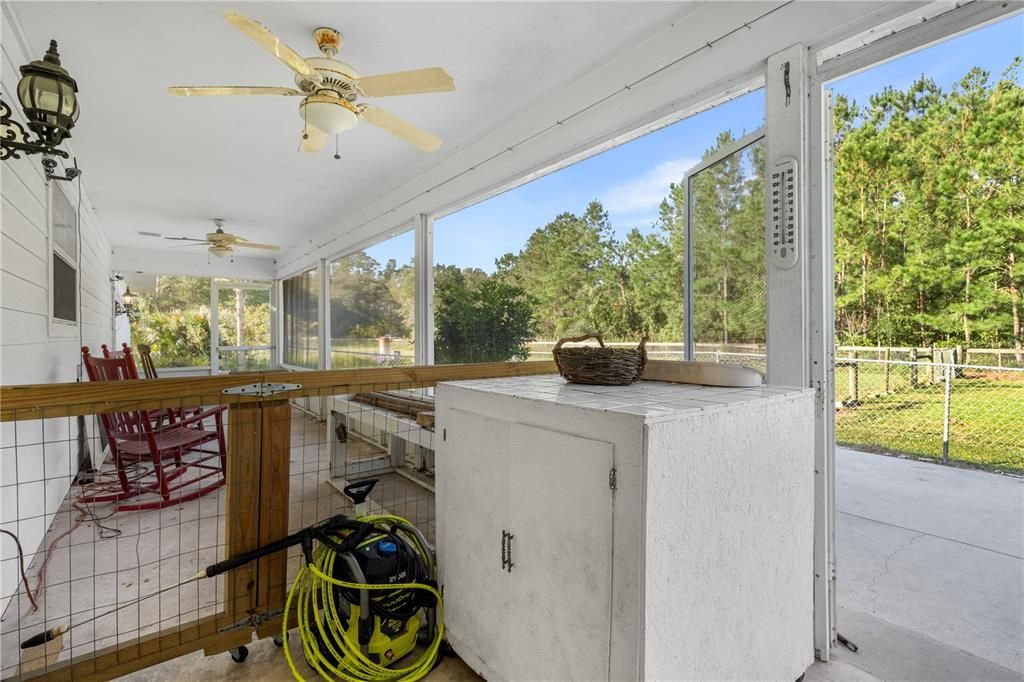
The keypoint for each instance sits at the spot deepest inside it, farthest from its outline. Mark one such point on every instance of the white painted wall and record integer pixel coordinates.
(39, 458)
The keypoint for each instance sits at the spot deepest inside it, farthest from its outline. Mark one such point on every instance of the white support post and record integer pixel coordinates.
(322, 407)
(277, 324)
(214, 327)
(822, 368)
(324, 314)
(800, 305)
(786, 123)
(424, 315)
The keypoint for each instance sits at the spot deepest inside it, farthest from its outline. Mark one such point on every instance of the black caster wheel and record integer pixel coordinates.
(278, 641)
(239, 654)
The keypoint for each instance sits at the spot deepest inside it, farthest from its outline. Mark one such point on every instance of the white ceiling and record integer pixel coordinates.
(167, 164)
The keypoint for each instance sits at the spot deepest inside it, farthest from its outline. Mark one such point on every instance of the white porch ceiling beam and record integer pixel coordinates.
(197, 264)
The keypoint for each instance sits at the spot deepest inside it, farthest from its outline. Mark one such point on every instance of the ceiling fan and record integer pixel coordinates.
(330, 89)
(221, 243)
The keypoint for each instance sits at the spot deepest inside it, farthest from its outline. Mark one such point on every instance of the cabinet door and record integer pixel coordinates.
(561, 518)
(472, 509)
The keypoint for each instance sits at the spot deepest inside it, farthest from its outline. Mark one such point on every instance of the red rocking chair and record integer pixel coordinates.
(153, 458)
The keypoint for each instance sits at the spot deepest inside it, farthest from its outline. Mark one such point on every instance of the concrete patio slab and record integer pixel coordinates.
(935, 552)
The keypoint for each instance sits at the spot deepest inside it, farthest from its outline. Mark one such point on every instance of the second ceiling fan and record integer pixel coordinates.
(331, 88)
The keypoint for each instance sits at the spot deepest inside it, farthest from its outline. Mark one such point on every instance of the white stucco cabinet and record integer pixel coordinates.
(655, 531)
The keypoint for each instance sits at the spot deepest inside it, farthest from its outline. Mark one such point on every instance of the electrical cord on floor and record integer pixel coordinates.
(21, 562)
(85, 512)
(47, 635)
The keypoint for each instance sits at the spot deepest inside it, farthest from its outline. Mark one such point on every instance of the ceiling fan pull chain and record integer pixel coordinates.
(337, 155)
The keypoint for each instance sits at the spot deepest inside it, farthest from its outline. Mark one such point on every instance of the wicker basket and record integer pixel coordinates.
(602, 366)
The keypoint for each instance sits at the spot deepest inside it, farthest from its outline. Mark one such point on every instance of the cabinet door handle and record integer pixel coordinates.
(504, 548)
(507, 551)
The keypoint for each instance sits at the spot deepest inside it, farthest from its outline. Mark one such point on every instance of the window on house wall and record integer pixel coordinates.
(174, 318)
(301, 296)
(596, 247)
(64, 257)
(373, 305)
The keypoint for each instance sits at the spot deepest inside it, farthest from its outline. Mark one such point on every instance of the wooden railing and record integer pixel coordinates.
(257, 486)
(34, 401)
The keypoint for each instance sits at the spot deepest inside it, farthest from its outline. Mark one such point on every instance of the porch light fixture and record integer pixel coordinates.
(126, 306)
(331, 115)
(46, 93)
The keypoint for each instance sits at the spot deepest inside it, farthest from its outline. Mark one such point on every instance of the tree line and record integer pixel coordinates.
(929, 213)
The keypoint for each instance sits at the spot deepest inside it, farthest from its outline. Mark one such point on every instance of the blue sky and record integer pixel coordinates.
(630, 180)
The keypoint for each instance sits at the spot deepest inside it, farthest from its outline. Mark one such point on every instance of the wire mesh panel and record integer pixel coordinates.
(728, 282)
(112, 519)
(108, 520)
(382, 431)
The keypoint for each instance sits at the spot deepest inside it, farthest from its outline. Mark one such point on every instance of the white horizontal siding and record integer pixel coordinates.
(38, 458)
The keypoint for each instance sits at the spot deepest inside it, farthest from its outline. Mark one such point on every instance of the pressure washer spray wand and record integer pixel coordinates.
(322, 531)
(325, 532)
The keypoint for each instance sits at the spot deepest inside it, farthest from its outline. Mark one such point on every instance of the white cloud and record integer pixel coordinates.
(646, 192)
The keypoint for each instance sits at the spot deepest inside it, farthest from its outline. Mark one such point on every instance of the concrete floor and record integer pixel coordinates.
(930, 565)
(266, 663)
(930, 578)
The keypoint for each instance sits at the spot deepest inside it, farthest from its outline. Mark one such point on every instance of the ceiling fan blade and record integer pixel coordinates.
(254, 245)
(401, 129)
(433, 79)
(220, 90)
(182, 246)
(186, 239)
(315, 139)
(272, 44)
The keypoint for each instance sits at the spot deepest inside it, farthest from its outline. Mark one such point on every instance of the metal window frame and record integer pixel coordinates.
(218, 283)
(736, 147)
(326, 340)
(280, 335)
(59, 327)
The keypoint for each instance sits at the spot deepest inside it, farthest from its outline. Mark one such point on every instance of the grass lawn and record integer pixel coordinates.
(986, 415)
(352, 353)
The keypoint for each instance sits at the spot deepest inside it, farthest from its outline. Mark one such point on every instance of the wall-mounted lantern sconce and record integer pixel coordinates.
(46, 92)
(126, 306)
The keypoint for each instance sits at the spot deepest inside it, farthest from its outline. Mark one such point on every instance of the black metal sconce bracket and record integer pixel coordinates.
(49, 163)
(13, 139)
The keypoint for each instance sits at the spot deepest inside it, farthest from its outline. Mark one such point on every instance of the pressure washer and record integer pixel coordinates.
(365, 597)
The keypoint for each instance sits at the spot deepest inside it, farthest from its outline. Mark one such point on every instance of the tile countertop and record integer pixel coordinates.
(652, 399)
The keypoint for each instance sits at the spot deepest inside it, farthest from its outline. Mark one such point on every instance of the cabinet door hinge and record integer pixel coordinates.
(613, 481)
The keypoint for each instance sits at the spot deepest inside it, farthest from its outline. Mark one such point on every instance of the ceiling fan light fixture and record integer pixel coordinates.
(331, 115)
(220, 251)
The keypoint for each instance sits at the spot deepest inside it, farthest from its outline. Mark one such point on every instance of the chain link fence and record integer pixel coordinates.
(749, 355)
(971, 414)
(924, 402)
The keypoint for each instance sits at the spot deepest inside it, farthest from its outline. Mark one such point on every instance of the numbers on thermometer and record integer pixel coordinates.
(783, 215)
